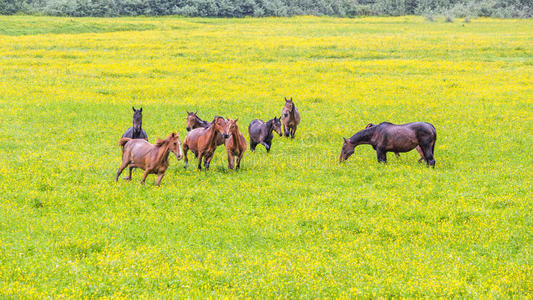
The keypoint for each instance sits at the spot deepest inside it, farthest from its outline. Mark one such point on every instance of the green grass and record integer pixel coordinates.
(292, 223)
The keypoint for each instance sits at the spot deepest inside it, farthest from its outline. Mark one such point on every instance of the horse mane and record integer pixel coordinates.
(162, 146)
(364, 135)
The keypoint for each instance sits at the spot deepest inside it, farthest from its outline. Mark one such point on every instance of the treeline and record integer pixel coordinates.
(261, 8)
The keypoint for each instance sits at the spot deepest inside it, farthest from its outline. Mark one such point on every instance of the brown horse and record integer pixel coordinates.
(387, 137)
(203, 141)
(235, 144)
(193, 122)
(398, 154)
(153, 159)
(290, 117)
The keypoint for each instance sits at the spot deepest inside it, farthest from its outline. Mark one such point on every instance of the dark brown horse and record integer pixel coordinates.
(387, 137)
(153, 159)
(136, 132)
(398, 154)
(290, 117)
(193, 122)
(261, 132)
(203, 141)
(235, 144)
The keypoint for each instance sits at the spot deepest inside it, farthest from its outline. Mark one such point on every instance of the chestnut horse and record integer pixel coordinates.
(235, 144)
(193, 122)
(136, 132)
(203, 141)
(398, 154)
(387, 137)
(261, 132)
(290, 117)
(153, 159)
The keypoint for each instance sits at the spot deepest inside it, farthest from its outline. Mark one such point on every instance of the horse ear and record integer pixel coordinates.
(133, 107)
(173, 134)
(286, 99)
(236, 120)
(196, 112)
(290, 99)
(141, 110)
(345, 139)
(188, 113)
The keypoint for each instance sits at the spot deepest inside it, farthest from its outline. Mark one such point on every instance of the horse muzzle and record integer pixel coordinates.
(188, 128)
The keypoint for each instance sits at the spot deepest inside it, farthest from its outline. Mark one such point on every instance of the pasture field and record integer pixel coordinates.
(293, 223)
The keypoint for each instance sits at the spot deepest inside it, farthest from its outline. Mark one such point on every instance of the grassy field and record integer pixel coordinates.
(295, 222)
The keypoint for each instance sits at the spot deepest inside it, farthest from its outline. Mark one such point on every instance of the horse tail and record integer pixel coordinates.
(123, 141)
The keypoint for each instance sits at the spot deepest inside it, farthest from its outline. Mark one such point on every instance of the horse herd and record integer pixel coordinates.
(204, 137)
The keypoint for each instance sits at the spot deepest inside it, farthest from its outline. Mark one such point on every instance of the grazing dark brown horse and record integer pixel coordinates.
(387, 137)
(203, 141)
(136, 132)
(193, 122)
(290, 117)
(235, 144)
(261, 132)
(153, 159)
(398, 154)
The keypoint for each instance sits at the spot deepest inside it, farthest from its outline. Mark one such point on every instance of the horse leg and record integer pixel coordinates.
(286, 130)
(382, 155)
(124, 164)
(421, 154)
(252, 146)
(129, 177)
(159, 177)
(267, 146)
(200, 156)
(186, 159)
(146, 172)
(428, 155)
(231, 159)
(293, 131)
(239, 160)
(208, 161)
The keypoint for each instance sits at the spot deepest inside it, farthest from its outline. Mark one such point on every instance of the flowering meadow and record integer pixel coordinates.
(293, 223)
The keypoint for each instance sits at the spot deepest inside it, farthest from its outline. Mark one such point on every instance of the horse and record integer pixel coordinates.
(153, 159)
(387, 137)
(398, 154)
(262, 133)
(136, 132)
(290, 117)
(203, 141)
(193, 122)
(235, 144)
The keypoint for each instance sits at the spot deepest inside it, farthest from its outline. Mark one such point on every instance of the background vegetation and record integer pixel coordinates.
(260, 8)
(295, 222)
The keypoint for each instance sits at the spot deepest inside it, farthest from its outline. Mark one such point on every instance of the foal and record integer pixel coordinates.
(153, 159)
(136, 132)
(235, 144)
(261, 132)
(290, 118)
(203, 141)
